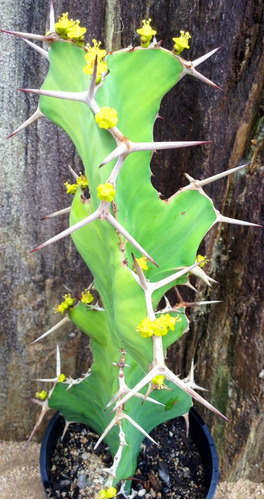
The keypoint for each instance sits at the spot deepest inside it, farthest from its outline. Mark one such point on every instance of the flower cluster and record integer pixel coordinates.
(106, 192)
(143, 263)
(159, 326)
(109, 493)
(158, 381)
(106, 117)
(201, 260)
(87, 297)
(146, 33)
(41, 395)
(68, 29)
(71, 188)
(90, 56)
(81, 182)
(65, 305)
(181, 42)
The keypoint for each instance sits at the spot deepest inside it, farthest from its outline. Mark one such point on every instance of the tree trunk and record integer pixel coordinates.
(226, 340)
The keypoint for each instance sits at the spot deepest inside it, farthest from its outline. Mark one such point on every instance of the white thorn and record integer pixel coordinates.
(72, 172)
(70, 230)
(203, 58)
(167, 303)
(44, 410)
(128, 236)
(173, 277)
(137, 395)
(38, 49)
(190, 70)
(137, 426)
(58, 362)
(52, 17)
(66, 426)
(92, 90)
(53, 329)
(214, 178)
(107, 429)
(114, 398)
(203, 276)
(173, 378)
(38, 114)
(156, 146)
(222, 218)
(148, 377)
(189, 286)
(71, 382)
(119, 151)
(189, 380)
(30, 36)
(116, 170)
(150, 400)
(59, 212)
(141, 276)
(203, 302)
(128, 147)
(191, 179)
(59, 94)
(187, 423)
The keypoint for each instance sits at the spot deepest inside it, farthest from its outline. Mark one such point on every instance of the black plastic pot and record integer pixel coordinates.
(198, 429)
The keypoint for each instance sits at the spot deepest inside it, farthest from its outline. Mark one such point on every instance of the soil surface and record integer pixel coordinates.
(170, 468)
(20, 477)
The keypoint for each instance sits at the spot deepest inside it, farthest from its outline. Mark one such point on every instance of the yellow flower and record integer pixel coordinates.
(103, 494)
(60, 308)
(171, 321)
(142, 262)
(158, 380)
(92, 53)
(168, 321)
(181, 42)
(201, 260)
(63, 24)
(76, 33)
(111, 492)
(69, 301)
(82, 181)
(106, 117)
(160, 326)
(101, 68)
(41, 395)
(146, 328)
(106, 192)
(146, 33)
(87, 297)
(61, 378)
(71, 188)
(65, 305)
(68, 28)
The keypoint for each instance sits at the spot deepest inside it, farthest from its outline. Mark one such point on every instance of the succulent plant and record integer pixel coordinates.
(137, 245)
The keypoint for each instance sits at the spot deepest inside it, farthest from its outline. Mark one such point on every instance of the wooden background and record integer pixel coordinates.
(226, 340)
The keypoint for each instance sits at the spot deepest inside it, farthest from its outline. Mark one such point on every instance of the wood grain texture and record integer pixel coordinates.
(225, 340)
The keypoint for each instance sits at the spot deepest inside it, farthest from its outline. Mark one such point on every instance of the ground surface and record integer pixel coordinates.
(20, 478)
